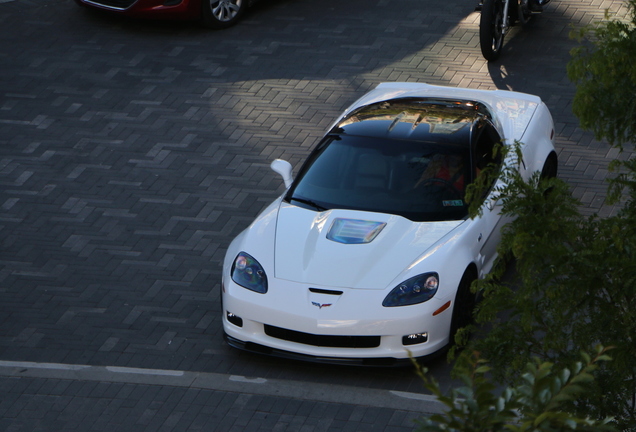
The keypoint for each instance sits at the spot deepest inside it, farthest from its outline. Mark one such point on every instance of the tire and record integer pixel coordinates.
(491, 36)
(523, 13)
(464, 304)
(219, 14)
(549, 170)
(550, 167)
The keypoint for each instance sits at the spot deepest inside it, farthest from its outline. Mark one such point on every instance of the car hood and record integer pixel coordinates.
(307, 252)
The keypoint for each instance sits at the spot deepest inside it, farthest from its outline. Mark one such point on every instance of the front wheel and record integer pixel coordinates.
(464, 304)
(220, 14)
(491, 29)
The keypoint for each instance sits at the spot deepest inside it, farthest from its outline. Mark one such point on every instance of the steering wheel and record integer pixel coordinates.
(445, 183)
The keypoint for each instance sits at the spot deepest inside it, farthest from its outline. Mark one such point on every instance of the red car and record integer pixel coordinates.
(213, 13)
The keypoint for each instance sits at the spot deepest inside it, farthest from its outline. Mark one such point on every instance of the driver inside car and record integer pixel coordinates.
(448, 168)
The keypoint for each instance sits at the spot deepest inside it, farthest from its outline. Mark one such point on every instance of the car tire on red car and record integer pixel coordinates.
(220, 14)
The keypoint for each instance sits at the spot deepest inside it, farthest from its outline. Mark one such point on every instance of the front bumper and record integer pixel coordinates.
(367, 362)
(352, 328)
(159, 9)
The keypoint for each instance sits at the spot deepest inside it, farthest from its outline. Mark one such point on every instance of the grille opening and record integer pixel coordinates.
(324, 291)
(323, 340)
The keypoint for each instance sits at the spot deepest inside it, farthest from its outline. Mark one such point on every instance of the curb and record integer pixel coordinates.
(406, 401)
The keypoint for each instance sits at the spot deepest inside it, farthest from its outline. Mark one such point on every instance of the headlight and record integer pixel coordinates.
(248, 273)
(416, 290)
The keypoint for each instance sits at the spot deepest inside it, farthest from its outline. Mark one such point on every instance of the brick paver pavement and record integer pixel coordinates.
(131, 152)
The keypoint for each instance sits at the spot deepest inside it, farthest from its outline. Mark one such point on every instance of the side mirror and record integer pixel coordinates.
(283, 168)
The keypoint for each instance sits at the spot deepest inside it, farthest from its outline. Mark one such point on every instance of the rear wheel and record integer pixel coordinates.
(491, 29)
(550, 167)
(222, 13)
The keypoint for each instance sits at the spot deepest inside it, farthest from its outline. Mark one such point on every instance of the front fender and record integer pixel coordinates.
(257, 240)
(449, 258)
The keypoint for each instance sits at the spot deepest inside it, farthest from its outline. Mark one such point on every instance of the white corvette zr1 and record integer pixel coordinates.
(369, 254)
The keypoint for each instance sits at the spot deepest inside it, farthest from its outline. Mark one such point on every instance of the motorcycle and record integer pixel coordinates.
(497, 18)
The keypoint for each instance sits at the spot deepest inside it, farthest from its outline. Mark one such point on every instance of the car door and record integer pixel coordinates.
(487, 226)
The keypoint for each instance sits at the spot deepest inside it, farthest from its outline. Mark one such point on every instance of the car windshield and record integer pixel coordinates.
(420, 181)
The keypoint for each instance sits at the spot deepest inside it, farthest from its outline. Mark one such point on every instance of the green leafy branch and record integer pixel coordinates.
(540, 403)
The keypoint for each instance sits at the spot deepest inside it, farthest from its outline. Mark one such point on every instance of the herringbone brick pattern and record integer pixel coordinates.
(62, 405)
(131, 153)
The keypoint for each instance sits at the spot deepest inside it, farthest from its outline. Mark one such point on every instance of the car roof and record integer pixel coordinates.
(435, 120)
(511, 111)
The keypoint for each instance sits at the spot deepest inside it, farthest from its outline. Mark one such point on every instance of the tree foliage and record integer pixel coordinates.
(574, 279)
(540, 402)
(604, 71)
(574, 286)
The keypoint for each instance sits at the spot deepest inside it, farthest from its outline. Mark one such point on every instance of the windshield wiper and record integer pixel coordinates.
(309, 203)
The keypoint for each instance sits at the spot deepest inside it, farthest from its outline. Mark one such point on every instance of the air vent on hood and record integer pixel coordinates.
(354, 231)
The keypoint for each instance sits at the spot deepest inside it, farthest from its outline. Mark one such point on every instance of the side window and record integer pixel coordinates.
(485, 152)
